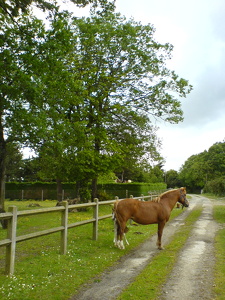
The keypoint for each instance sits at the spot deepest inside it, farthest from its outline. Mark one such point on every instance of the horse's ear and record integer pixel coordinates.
(183, 189)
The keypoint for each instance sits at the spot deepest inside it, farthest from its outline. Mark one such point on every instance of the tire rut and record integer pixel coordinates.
(111, 282)
(192, 276)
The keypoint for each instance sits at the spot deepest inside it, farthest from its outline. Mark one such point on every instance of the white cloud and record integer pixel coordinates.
(196, 29)
(181, 143)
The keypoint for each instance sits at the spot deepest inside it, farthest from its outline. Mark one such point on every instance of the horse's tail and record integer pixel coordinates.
(114, 210)
(116, 216)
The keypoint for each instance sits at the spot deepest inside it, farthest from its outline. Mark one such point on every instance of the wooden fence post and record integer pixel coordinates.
(11, 235)
(95, 223)
(64, 232)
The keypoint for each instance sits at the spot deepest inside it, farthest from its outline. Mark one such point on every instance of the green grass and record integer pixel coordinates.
(148, 283)
(39, 269)
(219, 215)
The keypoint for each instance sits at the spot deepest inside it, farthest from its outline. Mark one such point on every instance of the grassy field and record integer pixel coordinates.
(39, 269)
(219, 216)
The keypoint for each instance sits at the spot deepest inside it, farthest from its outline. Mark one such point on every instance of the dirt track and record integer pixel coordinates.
(192, 276)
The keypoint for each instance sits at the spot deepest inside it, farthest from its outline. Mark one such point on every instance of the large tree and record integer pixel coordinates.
(23, 115)
(203, 167)
(19, 89)
(172, 179)
(83, 92)
(195, 171)
(216, 160)
(122, 82)
(126, 83)
(102, 91)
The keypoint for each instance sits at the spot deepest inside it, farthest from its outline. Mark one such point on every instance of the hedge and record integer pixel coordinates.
(123, 190)
(47, 190)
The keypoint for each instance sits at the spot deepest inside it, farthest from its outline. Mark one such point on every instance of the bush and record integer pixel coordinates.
(216, 186)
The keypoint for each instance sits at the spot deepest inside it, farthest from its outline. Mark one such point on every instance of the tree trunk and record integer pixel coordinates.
(77, 195)
(2, 174)
(59, 190)
(94, 189)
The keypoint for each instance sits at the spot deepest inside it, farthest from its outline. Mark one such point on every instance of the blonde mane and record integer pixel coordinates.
(158, 199)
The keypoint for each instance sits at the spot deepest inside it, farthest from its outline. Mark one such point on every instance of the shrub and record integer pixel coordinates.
(216, 186)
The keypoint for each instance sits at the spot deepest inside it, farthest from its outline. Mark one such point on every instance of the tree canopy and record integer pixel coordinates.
(202, 168)
(82, 92)
(13, 8)
(119, 81)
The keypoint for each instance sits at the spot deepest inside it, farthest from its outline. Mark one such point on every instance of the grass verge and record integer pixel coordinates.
(148, 283)
(219, 216)
(41, 273)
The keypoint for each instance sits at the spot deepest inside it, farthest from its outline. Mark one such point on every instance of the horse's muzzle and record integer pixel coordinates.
(186, 203)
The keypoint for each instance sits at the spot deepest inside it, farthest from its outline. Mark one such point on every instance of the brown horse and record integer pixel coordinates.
(156, 211)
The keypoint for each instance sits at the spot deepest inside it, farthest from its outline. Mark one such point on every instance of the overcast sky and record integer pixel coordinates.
(196, 29)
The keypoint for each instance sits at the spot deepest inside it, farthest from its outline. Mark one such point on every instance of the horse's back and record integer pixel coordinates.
(142, 212)
(127, 207)
(127, 203)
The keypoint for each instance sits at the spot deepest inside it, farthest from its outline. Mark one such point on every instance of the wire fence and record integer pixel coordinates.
(51, 194)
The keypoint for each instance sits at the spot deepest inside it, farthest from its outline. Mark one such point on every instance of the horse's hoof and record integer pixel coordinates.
(120, 245)
(160, 248)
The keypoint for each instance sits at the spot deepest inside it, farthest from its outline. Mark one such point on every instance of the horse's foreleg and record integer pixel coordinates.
(126, 239)
(160, 232)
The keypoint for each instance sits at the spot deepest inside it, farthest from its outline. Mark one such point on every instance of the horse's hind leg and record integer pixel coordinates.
(125, 231)
(115, 232)
(120, 235)
(117, 235)
(160, 231)
(126, 239)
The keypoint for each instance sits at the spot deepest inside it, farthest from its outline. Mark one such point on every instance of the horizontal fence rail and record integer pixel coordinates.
(12, 215)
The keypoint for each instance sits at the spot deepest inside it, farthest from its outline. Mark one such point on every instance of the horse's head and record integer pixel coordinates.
(183, 199)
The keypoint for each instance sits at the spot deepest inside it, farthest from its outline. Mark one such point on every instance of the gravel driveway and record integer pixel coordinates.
(192, 276)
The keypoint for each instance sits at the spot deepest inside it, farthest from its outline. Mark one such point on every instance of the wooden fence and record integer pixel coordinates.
(13, 214)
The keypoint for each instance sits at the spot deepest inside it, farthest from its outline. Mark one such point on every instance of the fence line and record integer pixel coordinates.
(51, 194)
(13, 214)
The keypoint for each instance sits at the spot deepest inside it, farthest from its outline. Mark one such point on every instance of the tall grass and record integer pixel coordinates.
(219, 287)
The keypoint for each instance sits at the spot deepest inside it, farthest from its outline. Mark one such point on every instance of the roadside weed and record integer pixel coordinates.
(219, 215)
